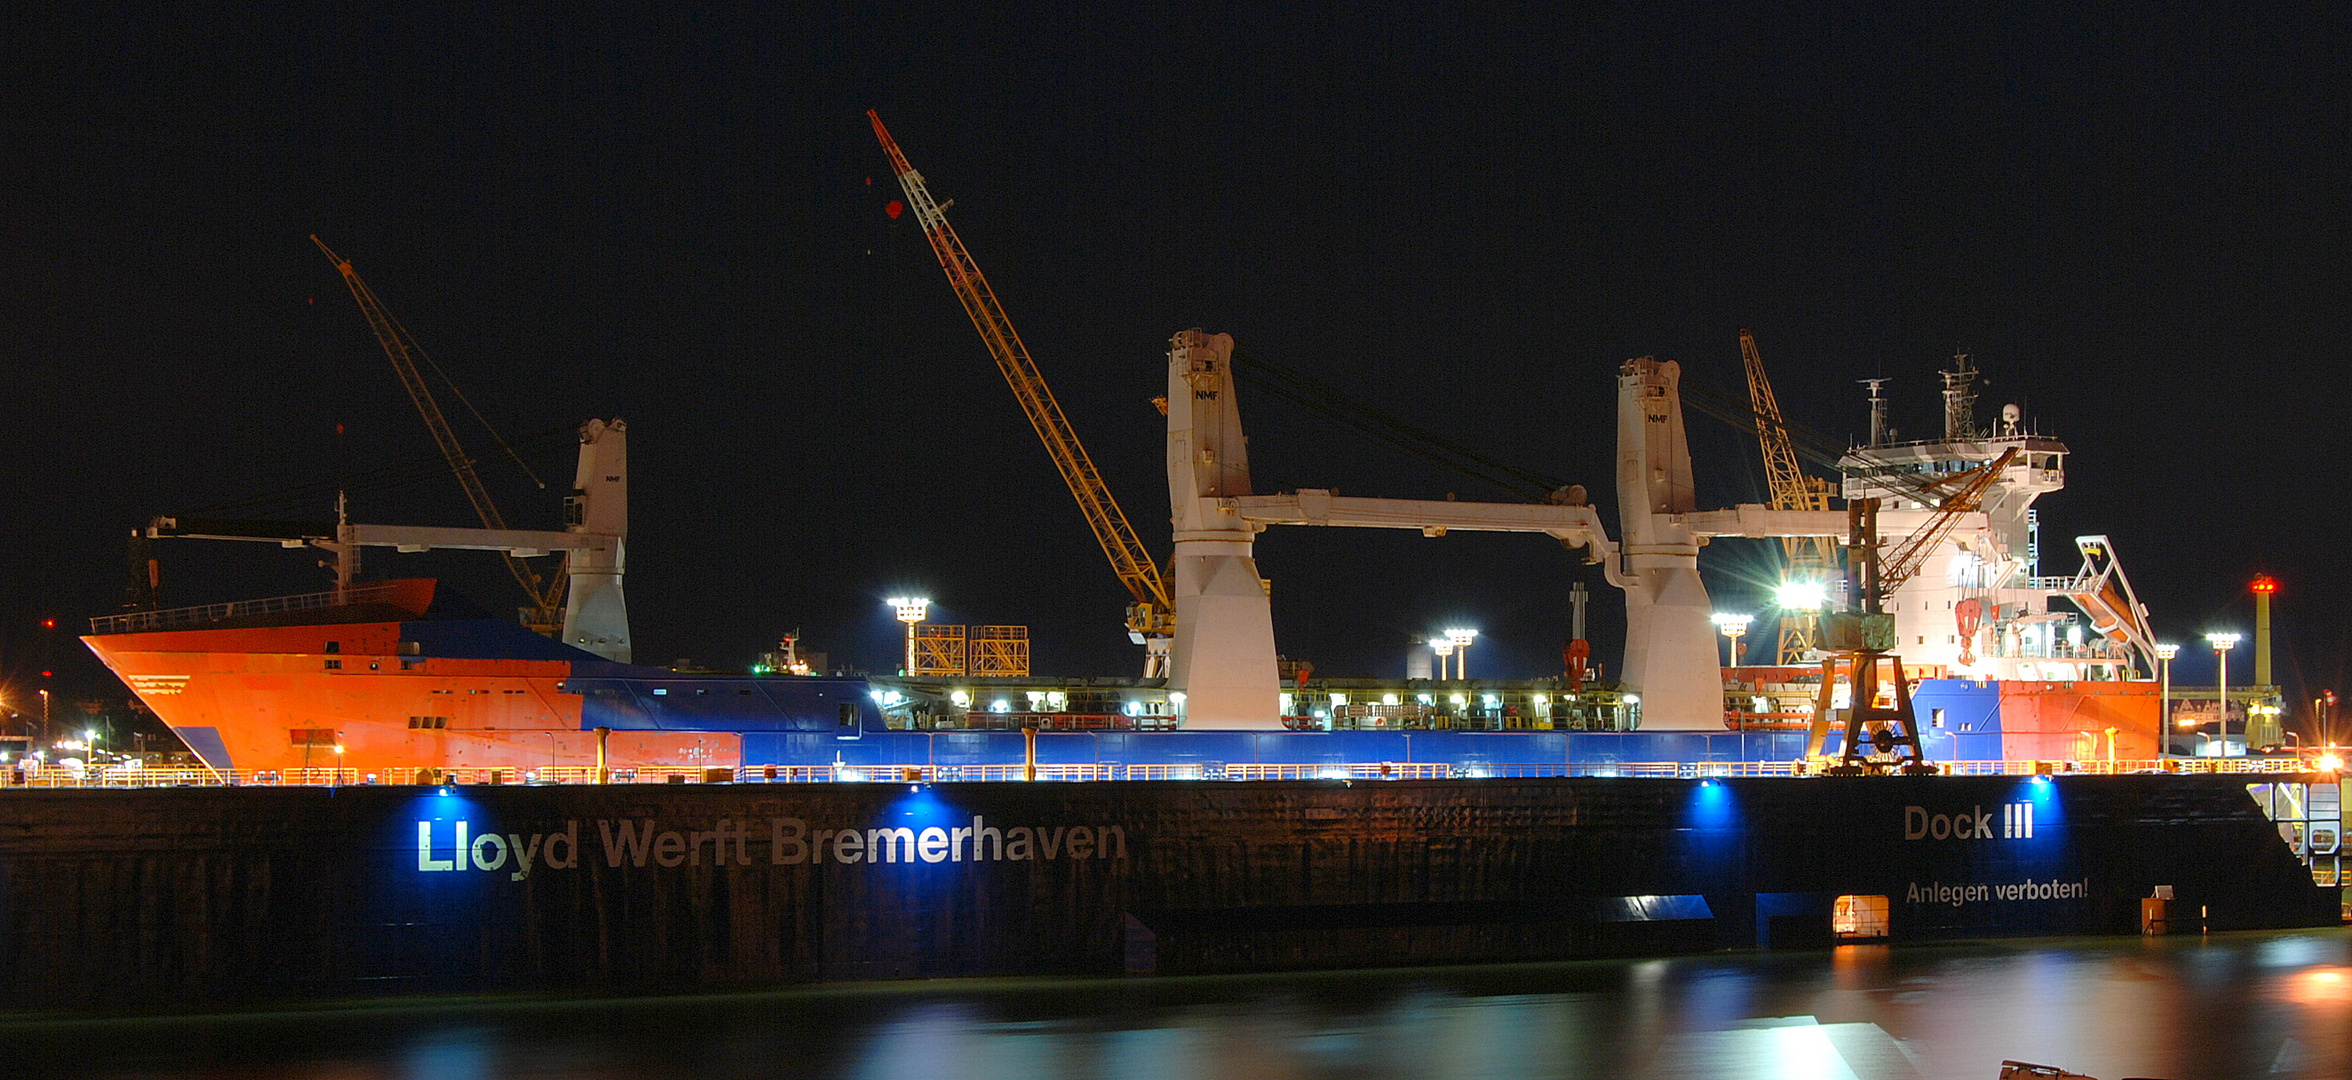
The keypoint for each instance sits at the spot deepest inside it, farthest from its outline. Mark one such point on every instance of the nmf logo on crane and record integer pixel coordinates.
(1974, 823)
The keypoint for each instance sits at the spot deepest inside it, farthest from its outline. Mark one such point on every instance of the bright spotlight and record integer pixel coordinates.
(1801, 595)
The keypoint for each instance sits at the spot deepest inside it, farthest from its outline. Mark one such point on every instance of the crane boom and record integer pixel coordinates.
(1906, 560)
(1153, 614)
(1809, 558)
(546, 596)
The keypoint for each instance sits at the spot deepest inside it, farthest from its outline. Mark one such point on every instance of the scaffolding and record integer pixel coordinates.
(1000, 652)
(939, 649)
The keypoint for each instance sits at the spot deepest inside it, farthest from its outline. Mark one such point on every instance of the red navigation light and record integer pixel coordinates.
(894, 209)
(48, 624)
(2265, 584)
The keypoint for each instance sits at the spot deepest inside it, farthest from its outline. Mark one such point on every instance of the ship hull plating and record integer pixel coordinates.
(196, 895)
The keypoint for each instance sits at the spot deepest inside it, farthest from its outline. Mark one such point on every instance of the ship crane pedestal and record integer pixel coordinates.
(1222, 659)
(1669, 635)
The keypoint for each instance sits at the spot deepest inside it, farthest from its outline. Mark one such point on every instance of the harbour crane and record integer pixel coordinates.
(1151, 618)
(1810, 560)
(1862, 638)
(545, 611)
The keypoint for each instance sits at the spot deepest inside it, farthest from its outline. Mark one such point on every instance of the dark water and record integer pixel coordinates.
(2233, 1007)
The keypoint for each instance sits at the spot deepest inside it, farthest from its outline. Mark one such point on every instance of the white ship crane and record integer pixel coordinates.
(593, 545)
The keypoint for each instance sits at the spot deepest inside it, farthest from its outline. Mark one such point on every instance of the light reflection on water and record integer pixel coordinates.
(2229, 1008)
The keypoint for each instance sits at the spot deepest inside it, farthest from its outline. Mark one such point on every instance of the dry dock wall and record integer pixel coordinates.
(200, 895)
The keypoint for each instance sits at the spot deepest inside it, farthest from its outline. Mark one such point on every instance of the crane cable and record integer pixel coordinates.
(1331, 404)
(400, 473)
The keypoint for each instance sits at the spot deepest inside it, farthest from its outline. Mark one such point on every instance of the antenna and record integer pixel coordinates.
(1960, 399)
(1878, 409)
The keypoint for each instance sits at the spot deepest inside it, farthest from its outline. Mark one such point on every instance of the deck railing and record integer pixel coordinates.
(20, 775)
(139, 621)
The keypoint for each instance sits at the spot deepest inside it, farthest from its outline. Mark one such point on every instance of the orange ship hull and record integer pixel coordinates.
(364, 696)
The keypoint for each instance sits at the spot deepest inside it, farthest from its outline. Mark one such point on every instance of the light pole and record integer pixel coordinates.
(1732, 626)
(2164, 655)
(1461, 639)
(911, 610)
(2222, 643)
(1442, 649)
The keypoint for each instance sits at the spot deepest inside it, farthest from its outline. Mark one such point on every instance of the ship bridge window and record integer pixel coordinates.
(334, 646)
(333, 665)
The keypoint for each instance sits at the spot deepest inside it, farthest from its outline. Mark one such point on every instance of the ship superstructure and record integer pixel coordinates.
(1979, 607)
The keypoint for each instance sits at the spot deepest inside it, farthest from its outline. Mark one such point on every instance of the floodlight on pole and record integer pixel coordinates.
(2222, 643)
(1441, 648)
(911, 610)
(1461, 639)
(1732, 626)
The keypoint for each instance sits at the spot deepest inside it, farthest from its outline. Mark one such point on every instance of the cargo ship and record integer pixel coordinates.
(1391, 821)
(389, 677)
(382, 677)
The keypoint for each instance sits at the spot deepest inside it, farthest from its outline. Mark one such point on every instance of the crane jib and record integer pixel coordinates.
(546, 596)
(1130, 561)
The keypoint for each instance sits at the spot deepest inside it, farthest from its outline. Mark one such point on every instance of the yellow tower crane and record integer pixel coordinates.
(544, 614)
(1811, 560)
(1151, 619)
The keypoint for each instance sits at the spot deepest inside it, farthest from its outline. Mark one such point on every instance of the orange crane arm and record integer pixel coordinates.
(1129, 558)
(1904, 562)
(402, 351)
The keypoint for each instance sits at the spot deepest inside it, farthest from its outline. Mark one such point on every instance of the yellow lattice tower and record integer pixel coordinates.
(1811, 561)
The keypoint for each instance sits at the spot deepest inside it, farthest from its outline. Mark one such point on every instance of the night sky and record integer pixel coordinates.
(2138, 222)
